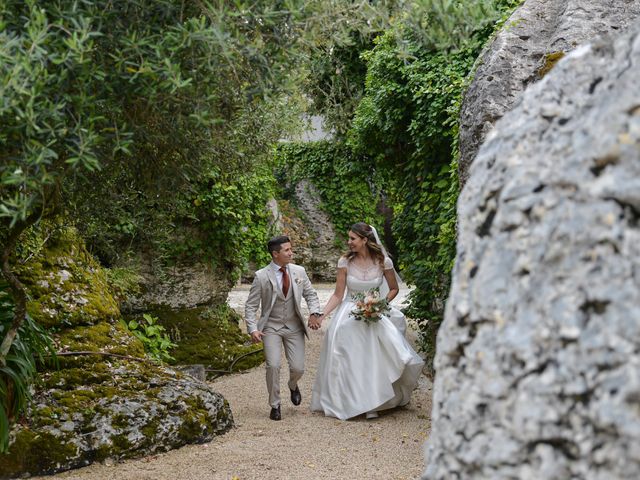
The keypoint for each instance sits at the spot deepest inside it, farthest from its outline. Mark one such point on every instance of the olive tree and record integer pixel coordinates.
(88, 88)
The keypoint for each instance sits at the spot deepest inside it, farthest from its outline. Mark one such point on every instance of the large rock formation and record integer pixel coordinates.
(111, 410)
(322, 254)
(187, 284)
(534, 37)
(106, 399)
(538, 360)
(310, 229)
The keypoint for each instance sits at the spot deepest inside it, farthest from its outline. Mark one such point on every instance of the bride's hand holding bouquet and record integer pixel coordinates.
(369, 306)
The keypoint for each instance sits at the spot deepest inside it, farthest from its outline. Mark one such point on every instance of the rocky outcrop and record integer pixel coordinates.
(65, 284)
(212, 338)
(533, 38)
(183, 285)
(321, 258)
(121, 410)
(106, 400)
(537, 364)
(311, 232)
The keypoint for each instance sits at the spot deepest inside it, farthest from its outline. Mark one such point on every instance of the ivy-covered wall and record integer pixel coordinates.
(405, 128)
(349, 189)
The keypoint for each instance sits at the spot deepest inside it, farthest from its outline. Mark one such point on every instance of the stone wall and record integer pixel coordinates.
(538, 358)
(311, 231)
(322, 256)
(187, 284)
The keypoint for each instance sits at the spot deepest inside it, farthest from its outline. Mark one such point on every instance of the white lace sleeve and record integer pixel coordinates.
(343, 262)
(388, 263)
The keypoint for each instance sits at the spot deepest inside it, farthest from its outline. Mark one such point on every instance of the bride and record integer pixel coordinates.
(364, 367)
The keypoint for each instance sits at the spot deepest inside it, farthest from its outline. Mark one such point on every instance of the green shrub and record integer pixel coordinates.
(230, 210)
(407, 121)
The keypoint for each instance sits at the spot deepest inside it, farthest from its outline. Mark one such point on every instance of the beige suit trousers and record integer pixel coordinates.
(293, 342)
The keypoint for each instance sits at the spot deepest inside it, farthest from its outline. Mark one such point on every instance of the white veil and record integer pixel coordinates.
(384, 288)
(395, 315)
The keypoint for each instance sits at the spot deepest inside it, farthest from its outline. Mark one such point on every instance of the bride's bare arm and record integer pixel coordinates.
(392, 281)
(338, 294)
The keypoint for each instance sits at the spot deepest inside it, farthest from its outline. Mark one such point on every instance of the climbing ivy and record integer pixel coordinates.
(407, 121)
(232, 216)
(350, 190)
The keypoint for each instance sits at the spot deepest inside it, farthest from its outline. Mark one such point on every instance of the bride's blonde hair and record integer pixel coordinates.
(364, 230)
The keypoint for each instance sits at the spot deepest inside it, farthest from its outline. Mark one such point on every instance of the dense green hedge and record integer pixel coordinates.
(232, 216)
(407, 121)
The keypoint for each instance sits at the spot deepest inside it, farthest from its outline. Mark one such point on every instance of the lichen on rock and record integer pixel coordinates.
(67, 286)
(112, 409)
(99, 405)
(538, 356)
(520, 55)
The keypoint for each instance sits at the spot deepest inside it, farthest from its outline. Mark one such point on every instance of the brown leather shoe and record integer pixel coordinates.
(296, 396)
(275, 413)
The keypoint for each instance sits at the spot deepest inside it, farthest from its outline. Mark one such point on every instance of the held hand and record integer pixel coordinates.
(256, 337)
(315, 321)
(311, 321)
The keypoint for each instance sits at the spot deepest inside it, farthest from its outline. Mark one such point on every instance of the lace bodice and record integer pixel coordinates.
(364, 278)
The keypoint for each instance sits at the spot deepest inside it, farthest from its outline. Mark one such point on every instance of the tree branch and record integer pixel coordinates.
(50, 206)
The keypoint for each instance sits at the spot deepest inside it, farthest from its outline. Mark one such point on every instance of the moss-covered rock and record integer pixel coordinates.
(41, 450)
(105, 337)
(550, 60)
(211, 337)
(66, 285)
(112, 409)
(98, 405)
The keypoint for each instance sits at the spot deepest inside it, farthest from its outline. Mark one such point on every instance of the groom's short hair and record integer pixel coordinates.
(275, 243)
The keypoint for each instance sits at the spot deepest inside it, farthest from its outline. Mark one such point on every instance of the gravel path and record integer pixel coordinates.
(303, 445)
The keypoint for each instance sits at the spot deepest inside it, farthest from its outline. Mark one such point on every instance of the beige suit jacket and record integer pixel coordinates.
(264, 290)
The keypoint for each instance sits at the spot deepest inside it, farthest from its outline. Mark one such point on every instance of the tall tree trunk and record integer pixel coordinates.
(15, 286)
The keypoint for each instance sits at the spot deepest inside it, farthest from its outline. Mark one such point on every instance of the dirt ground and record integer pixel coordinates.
(303, 445)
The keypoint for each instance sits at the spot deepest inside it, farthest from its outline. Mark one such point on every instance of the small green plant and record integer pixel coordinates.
(153, 336)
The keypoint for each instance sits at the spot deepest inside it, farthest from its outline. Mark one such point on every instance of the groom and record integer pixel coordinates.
(278, 289)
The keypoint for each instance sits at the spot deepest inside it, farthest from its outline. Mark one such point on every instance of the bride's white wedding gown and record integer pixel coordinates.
(363, 367)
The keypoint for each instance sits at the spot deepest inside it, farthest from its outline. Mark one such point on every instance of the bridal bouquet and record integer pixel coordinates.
(369, 306)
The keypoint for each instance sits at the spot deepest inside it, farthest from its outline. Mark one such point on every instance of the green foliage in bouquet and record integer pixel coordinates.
(369, 306)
